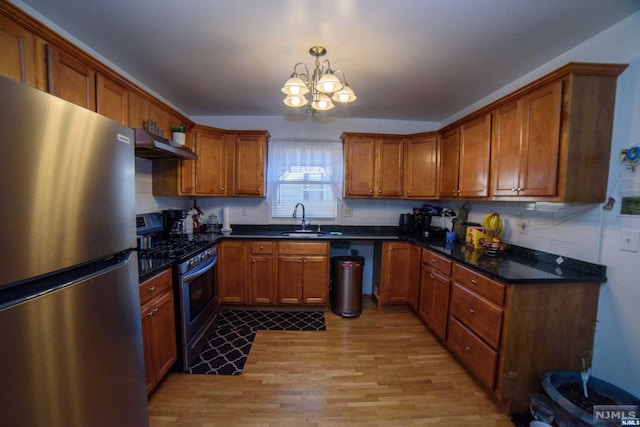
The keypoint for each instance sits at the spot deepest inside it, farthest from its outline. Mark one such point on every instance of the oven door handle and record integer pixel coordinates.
(200, 269)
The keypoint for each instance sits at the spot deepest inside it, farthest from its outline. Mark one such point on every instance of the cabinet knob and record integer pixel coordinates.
(261, 247)
(253, 260)
(258, 189)
(467, 348)
(152, 289)
(472, 311)
(371, 190)
(474, 281)
(299, 260)
(434, 261)
(379, 191)
(304, 260)
(431, 275)
(408, 192)
(514, 189)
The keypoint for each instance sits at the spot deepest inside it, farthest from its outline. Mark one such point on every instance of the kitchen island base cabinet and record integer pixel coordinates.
(158, 327)
(508, 334)
(303, 273)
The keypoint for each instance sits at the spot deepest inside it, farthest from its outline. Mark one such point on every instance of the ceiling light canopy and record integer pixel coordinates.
(323, 84)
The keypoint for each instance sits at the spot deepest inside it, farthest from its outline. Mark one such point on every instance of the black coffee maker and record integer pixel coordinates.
(173, 222)
(407, 223)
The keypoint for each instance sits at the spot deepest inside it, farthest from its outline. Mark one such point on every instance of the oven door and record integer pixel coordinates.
(197, 308)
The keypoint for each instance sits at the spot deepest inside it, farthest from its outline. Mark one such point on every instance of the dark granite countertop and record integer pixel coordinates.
(149, 267)
(517, 265)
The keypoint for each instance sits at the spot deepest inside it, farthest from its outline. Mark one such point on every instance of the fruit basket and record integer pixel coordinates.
(494, 248)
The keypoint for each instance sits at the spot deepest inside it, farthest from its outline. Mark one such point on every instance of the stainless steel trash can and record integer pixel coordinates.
(346, 290)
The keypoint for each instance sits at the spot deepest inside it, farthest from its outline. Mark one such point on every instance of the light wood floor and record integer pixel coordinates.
(380, 369)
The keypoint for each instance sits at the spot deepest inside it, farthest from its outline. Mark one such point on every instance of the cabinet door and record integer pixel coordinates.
(475, 149)
(112, 100)
(389, 168)
(249, 176)
(232, 271)
(449, 164)
(434, 300)
(70, 79)
(163, 330)
(315, 280)
(159, 337)
(400, 272)
(263, 286)
(18, 59)
(210, 168)
(359, 166)
(145, 316)
(290, 279)
(420, 167)
(506, 149)
(541, 141)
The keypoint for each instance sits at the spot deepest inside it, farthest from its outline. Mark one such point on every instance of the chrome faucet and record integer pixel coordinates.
(295, 215)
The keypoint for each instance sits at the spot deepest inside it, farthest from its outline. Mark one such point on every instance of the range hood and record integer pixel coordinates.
(151, 146)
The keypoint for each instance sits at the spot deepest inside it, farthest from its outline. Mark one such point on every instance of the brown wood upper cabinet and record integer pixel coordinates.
(373, 165)
(70, 79)
(421, 167)
(249, 151)
(552, 141)
(230, 163)
(464, 159)
(18, 46)
(112, 99)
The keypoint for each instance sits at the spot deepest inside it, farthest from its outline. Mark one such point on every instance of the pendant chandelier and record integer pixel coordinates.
(323, 85)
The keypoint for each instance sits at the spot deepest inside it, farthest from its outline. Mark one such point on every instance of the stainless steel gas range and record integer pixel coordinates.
(194, 282)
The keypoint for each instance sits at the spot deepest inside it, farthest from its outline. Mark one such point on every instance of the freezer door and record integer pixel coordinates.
(68, 184)
(74, 356)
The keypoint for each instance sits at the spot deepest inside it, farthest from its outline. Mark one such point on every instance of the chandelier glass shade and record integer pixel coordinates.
(323, 85)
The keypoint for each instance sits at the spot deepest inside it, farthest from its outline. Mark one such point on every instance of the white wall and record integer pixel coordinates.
(575, 230)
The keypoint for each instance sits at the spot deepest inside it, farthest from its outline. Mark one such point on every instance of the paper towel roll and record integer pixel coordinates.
(226, 219)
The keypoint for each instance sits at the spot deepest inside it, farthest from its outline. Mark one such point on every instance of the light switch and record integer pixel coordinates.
(629, 240)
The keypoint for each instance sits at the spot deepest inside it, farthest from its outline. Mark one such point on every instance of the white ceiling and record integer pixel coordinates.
(405, 59)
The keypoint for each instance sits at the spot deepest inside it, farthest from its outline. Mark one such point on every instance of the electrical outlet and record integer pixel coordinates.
(348, 212)
(244, 212)
(629, 240)
(523, 226)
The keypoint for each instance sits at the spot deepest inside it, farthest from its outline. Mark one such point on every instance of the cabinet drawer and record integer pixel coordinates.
(261, 248)
(490, 289)
(478, 357)
(440, 263)
(303, 248)
(478, 314)
(155, 285)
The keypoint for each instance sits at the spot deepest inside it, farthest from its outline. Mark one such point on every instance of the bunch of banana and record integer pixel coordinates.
(492, 224)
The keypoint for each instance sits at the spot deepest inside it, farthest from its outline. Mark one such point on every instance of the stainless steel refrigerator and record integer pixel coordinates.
(70, 330)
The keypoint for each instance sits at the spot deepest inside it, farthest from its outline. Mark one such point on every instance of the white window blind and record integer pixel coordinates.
(306, 171)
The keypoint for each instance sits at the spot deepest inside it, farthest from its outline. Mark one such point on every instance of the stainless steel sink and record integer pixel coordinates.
(303, 233)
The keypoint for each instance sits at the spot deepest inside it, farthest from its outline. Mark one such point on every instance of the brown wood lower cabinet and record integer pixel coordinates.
(435, 284)
(508, 334)
(303, 273)
(265, 272)
(396, 274)
(158, 326)
(263, 267)
(232, 272)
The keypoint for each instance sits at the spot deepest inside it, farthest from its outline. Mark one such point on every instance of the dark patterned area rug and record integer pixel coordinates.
(227, 350)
